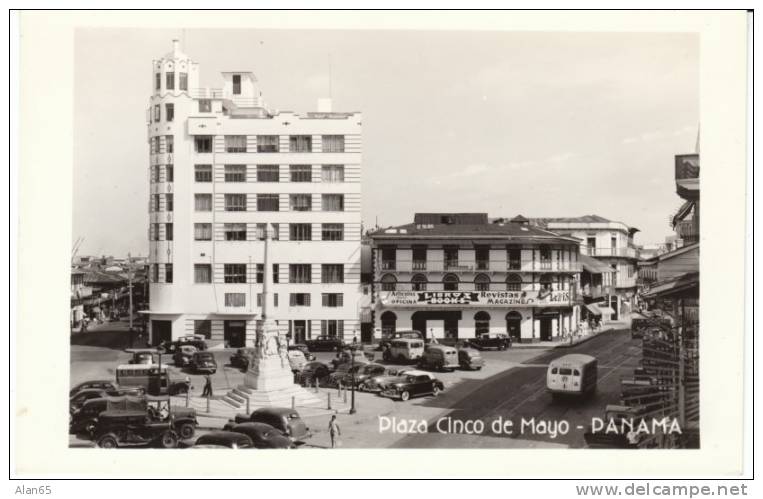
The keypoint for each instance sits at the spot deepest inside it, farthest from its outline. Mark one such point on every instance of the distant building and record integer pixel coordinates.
(456, 275)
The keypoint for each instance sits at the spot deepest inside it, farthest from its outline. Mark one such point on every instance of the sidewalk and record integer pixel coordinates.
(560, 343)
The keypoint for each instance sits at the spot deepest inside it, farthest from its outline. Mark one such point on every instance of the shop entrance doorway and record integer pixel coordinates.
(514, 325)
(234, 333)
(546, 328)
(161, 331)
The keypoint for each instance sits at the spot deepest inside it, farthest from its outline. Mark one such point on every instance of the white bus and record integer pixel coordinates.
(572, 374)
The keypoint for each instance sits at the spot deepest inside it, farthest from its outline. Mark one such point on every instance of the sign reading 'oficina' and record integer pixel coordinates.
(475, 298)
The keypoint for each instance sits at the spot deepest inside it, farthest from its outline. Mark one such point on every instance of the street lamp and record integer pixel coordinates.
(353, 348)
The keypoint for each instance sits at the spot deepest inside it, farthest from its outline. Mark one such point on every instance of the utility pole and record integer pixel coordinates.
(129, 285)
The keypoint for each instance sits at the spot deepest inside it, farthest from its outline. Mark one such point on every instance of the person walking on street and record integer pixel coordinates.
(207, 392)
(334, 431)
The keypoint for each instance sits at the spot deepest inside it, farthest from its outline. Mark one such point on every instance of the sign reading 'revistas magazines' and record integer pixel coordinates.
(475, 298)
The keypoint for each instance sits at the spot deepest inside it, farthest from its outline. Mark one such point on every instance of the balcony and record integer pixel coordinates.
(388, 265)
(687, 231)
(687, 176)
(597, 291)
(613, 252)
(483, 265)
(419, 265)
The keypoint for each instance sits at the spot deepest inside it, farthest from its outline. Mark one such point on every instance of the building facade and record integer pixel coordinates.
(456, 275)
(224, 171)
(608, 242)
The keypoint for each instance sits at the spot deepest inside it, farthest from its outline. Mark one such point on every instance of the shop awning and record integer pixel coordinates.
(684, 210)
(682, 284)
(606, 310)
(593, 265)
(593, 308)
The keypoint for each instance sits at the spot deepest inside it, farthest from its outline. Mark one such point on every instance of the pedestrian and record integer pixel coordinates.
(334, 432)
(207, 392)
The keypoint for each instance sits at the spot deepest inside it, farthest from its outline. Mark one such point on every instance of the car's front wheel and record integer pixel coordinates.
(435, 390)
(169, 440)
(108, 441)
(186, 431)
(405, 396)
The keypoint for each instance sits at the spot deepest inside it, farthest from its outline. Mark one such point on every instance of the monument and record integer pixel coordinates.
(269, 379)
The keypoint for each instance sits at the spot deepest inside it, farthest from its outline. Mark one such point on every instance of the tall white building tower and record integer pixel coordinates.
(222, 167)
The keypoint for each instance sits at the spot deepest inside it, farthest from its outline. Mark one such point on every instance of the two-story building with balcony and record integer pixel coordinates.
(456, 275)
(611, 243)
(225, 171)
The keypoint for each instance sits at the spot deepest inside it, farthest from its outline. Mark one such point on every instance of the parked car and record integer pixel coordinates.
(404, 350)
(131, 427)
(314, 371)
(297, 360)
(183, 355)
(263, 435)
(375, 383)
(343, 374)
(362, 373)
(283, 419)
(439, 357)
(412, 385)
(498, 341)
(102, 384)
(78, 400)
(195, 340)
(303, 348)
(409, 334)
(227, 439)
(470, 359)
(203, 362)
(142, 357)
(346, 356)
(85, 419)
(325, 344)
(242, 357)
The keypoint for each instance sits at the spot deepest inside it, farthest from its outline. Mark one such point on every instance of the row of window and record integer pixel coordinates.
(271, 173)
(481, 253)
(302, 328)
(270, 202)
(299, 273)
(239, 232)
(482, 282)
(170, 81)
(265, 143)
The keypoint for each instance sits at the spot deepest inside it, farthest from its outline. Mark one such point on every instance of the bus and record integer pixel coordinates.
(151, 377)
(573, 374)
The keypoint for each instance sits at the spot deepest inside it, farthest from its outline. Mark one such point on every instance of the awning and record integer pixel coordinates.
(606, 310)
(593, 265)
(593, 308)
(683, 283)
(684, 210)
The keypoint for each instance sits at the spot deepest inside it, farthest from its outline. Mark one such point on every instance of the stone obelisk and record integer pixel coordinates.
(269, 379)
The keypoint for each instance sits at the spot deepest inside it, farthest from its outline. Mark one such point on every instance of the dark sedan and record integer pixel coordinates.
(242, 357)
(229, 439)
(263, 435)
(314, 371)
(499, 342)
(412, 385)
(325, 344)
(102, 384)
(203, 362)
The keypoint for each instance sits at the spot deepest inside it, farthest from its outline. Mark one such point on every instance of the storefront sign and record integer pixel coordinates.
(475, 298)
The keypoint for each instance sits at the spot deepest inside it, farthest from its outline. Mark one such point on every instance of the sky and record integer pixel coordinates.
(541, 124)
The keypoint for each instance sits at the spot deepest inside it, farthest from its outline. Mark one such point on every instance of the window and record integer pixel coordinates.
(169, 111)
(267, 173)
(203, 143)
(300, 232)
(332, 232)
(169, 171)
(157, 143)
(170, 81)
(513, 282)
(301, 173)
(388, 282)
(157, 113)
(451, 256)
(332, 299)
(202, 232)
(235, 173)
(202, 173)
(332, 202)
(235, 232)
(202, 273)
(235, 143)
(482, 255)
(299, 299)
(419, 282)
(155, 272)
(261, 273)
(332, 273)
(482, 283)
(300, 202)
(234, 273)
(168, 273)
(236, 84)
(235, 202)
(169, 204)
(203, 202)
(388, 257)
(450, 283)
(300, 143)
(333, 328)
(158, 81)
(300, 273)
(388, 323)
(267, 143)
(333, 143)
(547, 283)
(202, 327)
(183, 81)
(332, 173)
(154, 234)
(156, 202)
(169, 232)
(514, 257)
(419, 254)
(205, 106)
(481, 323)
(260, 234)
(235, 299)
(155, 174)
(267, 202)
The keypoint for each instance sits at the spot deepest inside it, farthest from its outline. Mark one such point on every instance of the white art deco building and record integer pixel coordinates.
(224, 169)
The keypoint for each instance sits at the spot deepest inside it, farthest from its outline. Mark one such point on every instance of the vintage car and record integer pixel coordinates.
(313, 371)
(498, 341)
(375, 383)
(223, 439)
(195, 340)
(133, 427)
(283, 419)
(347, 356)
(302, 348)
(142, 357)
(439, 357)
(409, 334)
(470, 359)
(183, 355)
(102, 384)
(241, 358)
(84, 420)
(362, 373)
(263, 435)
(79, 399)
(325, 344)
(412, 384)
(297, 360)
(344, 374)
(404, 350)
(203, 362)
